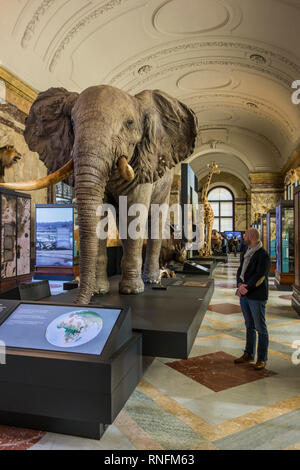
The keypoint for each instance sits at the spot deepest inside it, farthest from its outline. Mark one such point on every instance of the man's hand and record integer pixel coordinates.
(237, 292)
(243, 289)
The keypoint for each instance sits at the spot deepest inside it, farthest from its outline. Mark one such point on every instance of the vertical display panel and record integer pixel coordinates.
(8, 236)
(192, 213)
(271, 234)
(54, 235)
(287, 235)
(23, 236)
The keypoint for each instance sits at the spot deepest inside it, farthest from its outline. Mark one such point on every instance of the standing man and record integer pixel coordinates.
(252, 283)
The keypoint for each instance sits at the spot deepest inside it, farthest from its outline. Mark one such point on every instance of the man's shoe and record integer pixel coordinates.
(260, 365)
(246, 357)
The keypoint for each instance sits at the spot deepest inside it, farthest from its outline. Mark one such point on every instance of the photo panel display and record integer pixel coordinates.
(54, 235)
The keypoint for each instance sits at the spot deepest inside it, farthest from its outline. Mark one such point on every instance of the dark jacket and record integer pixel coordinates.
(258, 267)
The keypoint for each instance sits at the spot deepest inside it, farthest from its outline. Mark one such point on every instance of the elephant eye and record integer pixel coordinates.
(129, 123)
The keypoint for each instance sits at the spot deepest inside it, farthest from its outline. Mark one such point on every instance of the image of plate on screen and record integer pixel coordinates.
(74, 328)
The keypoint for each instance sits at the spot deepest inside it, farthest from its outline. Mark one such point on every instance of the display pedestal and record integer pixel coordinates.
(168, 320)
(284, 281)
(296, 299)
(12, 282)
(272, 270)
(67, 392)
(81, 394)
(213, 258)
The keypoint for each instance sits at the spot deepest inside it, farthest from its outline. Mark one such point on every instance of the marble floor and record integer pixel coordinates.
(206, 402)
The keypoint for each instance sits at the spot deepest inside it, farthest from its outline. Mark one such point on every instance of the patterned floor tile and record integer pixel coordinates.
(225, 309)
(275, 434)
(12, 438)
(218, 372)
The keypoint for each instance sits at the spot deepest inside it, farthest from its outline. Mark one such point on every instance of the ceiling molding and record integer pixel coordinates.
(130, 67)
(36, 18)
(244, 130)
(241, 99)
(79, 26)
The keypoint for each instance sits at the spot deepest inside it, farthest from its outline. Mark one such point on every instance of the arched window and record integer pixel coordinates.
(221, 201)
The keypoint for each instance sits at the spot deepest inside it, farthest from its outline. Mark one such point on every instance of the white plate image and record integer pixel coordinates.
(74, 328)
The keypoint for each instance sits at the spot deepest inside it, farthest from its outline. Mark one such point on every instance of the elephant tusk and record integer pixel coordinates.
(125, 169)
(41, 183)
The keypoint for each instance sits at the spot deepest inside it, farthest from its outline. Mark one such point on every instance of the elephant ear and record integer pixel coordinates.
(170, 131)
(48, 127)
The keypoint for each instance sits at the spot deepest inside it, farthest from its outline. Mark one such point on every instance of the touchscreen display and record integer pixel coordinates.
(75, 329)
(234, 234)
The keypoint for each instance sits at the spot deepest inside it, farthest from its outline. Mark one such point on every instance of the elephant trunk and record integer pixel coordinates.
(91, 175)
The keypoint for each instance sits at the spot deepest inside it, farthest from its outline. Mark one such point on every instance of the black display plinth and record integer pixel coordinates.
(168, 320)
(68, 396)
(67, 392)
(296, 299)
(215, 258)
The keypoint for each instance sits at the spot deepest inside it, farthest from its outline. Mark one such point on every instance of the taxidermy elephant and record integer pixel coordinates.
(118, 145)
(8, 157)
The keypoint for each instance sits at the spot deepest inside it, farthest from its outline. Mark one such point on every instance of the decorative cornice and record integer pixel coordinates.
(292, 162)
(266, 178)
(18, 93)
(30, 28)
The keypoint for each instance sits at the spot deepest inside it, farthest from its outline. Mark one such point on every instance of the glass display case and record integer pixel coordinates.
(285, 262)
(263, 233)
(271, 238)
(57, 241)
(15, 216)
(258, 226)
(296, 286)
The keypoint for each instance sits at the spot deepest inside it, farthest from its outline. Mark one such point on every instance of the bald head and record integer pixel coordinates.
(251, 236)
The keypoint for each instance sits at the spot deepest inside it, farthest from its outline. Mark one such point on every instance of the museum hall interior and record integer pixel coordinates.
(150, 226)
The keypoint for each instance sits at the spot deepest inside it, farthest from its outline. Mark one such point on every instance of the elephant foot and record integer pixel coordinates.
(83, 298)
(151, 278)
(102, 286)
(131, 286)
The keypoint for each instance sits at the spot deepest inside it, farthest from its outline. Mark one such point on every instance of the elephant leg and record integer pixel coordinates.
(151, 266)
(102, 283)
(131, 282)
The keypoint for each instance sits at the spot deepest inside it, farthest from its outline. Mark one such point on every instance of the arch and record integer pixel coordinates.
(228, 150)
(223, 208)
(226, 186)
(236, 167)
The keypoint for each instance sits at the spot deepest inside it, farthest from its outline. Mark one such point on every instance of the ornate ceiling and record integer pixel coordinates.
(232, 61)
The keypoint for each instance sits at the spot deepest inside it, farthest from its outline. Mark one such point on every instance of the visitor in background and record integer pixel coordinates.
(252, 288)
(235, 244)
(225, 248)
(243, 247)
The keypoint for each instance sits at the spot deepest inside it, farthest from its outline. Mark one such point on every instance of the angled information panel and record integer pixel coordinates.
(82, 330)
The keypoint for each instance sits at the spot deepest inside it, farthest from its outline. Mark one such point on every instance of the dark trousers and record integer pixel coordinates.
(254, 315)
